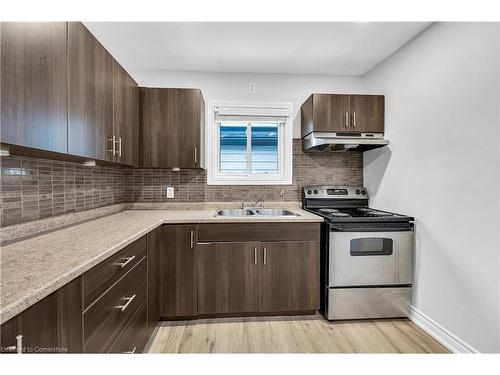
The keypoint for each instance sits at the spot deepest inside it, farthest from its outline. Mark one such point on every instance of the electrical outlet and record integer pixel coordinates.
(170, 192)
(252, 87)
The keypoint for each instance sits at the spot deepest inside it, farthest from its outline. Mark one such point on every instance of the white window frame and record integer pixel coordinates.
(285, 132)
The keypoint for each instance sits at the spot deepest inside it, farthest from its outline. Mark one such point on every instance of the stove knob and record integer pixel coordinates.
(363, 192)
(315, 191)
(309, 192)
(358, 191)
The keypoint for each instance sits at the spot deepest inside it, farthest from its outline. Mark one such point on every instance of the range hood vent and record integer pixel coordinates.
(341, 142)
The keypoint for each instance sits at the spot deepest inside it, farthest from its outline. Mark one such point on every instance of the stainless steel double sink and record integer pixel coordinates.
(255, 212)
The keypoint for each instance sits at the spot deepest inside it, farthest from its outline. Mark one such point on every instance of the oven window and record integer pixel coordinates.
(371, 246)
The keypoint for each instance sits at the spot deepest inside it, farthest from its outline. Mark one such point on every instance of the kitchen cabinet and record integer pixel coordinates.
(107, 316)
(343, 113)
(367, 113)
(290, 276)
(125, 117)
(172, 125)
(173, 273)
(52, 325)
(228, 277)
(33, 85)
(90, 96)
(272, 268)
(113, 292)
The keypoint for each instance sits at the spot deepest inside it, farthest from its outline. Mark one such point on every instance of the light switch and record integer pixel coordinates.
(170, 191)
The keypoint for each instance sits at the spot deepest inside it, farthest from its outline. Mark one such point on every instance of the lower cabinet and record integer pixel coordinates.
(52, 325)
(290, 276)
(104, 320)
(173, 272)
(228, 277)
(265, 273)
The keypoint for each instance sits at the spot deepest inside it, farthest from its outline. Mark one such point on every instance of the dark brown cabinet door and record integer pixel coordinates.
(367, 113)
(325, 113)
(90, 95)
(173, 270)
(53, 325)
(171, 125)
(228, 277)
(290, 276)
(125, 116)
(33, 85)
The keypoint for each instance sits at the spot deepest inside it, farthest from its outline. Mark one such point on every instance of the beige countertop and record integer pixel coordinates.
(34, 268)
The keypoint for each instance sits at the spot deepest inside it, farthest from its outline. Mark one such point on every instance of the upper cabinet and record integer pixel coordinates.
(61, 91)
(343, 113)
(90, 96)
(33, 85)
(125, 117)
(172, 125)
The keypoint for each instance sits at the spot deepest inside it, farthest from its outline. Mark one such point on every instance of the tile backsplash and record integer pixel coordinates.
(36, 188)
(148, 185)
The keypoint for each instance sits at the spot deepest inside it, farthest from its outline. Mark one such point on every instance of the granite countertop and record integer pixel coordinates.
(32, 269)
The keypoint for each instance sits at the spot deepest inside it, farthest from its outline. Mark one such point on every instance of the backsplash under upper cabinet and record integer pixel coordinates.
(37, 188)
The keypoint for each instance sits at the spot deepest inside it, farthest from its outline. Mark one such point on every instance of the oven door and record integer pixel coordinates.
(370, 258)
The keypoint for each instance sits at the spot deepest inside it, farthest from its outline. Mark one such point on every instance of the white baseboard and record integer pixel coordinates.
(441, 334)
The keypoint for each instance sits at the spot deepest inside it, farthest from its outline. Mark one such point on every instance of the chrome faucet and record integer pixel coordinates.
(259, 199)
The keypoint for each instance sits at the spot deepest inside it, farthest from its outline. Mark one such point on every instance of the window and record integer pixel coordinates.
(249, 144)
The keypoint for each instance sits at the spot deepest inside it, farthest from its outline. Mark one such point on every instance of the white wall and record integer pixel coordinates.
(443, 167)
(290, 88)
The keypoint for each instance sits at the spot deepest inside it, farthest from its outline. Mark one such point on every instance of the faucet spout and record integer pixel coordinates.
(260, 199)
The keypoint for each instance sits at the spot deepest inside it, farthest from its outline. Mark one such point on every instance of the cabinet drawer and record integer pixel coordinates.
(135, 335)
(104, 320)
(97, 280)
(229, 232)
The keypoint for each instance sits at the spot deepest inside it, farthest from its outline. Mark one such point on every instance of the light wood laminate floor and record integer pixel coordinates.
(300, 334)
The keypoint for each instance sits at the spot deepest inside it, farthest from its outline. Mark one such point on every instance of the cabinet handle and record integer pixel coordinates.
(18, 348)
(113, 145)
(265, 256)
(131, 351)
(119, 152)
(127, 261)
(123, 307)
(192, 239)
(354, 119)
(255, 255)
(196, 155)
(346, 119)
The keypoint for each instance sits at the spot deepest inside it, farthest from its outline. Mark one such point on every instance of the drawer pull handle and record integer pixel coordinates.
(265, 256)
(18, 348)
(131, 351)
(192, 239)
(127, 261)
(123, 307)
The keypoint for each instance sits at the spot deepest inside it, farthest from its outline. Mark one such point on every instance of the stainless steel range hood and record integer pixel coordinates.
(339, 142)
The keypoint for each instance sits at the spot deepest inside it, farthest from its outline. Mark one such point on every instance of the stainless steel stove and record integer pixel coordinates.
(366, 257)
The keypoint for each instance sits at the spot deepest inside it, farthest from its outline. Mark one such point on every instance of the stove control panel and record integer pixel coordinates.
(335, 192)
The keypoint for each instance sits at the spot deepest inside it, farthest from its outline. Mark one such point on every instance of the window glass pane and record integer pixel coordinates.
(233, 147)
(264, 148)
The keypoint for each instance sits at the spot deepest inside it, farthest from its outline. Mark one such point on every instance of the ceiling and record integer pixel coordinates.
(333, 48)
